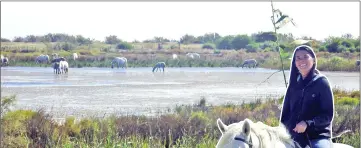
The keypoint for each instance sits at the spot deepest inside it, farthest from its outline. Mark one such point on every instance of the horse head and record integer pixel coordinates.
(236, 135)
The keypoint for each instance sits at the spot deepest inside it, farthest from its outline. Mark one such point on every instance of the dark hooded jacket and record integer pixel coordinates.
(309, 100)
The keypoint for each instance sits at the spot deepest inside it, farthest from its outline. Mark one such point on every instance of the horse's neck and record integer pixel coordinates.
(267, 137)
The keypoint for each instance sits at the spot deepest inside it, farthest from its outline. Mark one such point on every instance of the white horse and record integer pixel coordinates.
(42, 59)
(159, 65)
(247, 134)
(120, 61)
(250, 62)
(175, 56)
(4, 61)
(64, 66)
(75, 56)
(193, 55)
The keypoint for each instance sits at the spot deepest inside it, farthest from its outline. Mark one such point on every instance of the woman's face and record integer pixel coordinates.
(304, 61)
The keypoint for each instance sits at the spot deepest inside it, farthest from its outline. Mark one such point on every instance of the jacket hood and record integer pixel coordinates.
(294, 73)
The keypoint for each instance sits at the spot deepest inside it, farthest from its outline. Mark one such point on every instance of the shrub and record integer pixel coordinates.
(209, 46)
(124, 45)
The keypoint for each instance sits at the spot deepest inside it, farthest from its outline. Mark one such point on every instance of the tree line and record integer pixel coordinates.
(261, 41)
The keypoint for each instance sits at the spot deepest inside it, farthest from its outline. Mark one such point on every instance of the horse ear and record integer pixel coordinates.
(246, 127)
(221, 126)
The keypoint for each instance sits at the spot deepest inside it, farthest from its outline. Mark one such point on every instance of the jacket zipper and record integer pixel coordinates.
(298, 118)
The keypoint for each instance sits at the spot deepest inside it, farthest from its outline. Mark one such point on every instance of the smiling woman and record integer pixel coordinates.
(308, 108)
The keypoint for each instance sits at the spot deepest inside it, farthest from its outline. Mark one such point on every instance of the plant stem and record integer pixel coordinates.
(278, 48)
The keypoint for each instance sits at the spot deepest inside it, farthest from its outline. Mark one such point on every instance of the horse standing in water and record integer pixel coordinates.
(120, 61)
(56, 67)
(246, 134)
(64, 66)
(158, 66)
(4, 61)
(250, 62)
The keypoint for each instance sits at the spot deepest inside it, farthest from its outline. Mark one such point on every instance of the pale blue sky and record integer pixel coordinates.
(144, 20)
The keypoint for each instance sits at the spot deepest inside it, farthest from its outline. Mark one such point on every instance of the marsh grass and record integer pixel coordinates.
(187, 126)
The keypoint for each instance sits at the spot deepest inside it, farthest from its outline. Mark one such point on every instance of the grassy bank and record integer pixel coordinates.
(189, 125)
(144, 55)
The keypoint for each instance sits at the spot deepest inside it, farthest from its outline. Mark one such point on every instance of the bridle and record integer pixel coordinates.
(245, 141)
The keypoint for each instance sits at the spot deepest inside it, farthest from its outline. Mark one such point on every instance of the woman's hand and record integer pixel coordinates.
(300, 127)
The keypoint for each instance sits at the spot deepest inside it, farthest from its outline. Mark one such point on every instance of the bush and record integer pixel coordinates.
(357, 49)
(225, 42)
(240, 41)
(216, 51)
(322, 49)
(268, 44)
(342, 48)
(253, 47)
(124, 45)
(67, 46)
(173, 47)
(347, 101)
(347, 44)
(208, 46)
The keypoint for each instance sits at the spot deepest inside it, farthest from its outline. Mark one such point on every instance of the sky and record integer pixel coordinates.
(172, 20)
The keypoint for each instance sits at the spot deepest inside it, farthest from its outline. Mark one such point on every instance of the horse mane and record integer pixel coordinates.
(263, 132)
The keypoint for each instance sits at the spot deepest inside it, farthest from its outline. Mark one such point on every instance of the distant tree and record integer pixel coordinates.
(241, 41)
(211, 37)
(187, 39)
(160, 40)
(112, 39)
(83, 41)
(18, 39)
(265, 36)
(225, 42)
(30, 38)
(5, 40)
(347, 36)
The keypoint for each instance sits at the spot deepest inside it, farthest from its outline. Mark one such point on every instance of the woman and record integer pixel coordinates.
(308, 107)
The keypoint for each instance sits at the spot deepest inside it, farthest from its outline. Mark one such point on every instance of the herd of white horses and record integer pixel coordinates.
(61, 65)
(121, 62)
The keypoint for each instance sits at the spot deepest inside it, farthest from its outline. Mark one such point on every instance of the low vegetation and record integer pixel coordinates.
(185, 126)
(334, 53)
